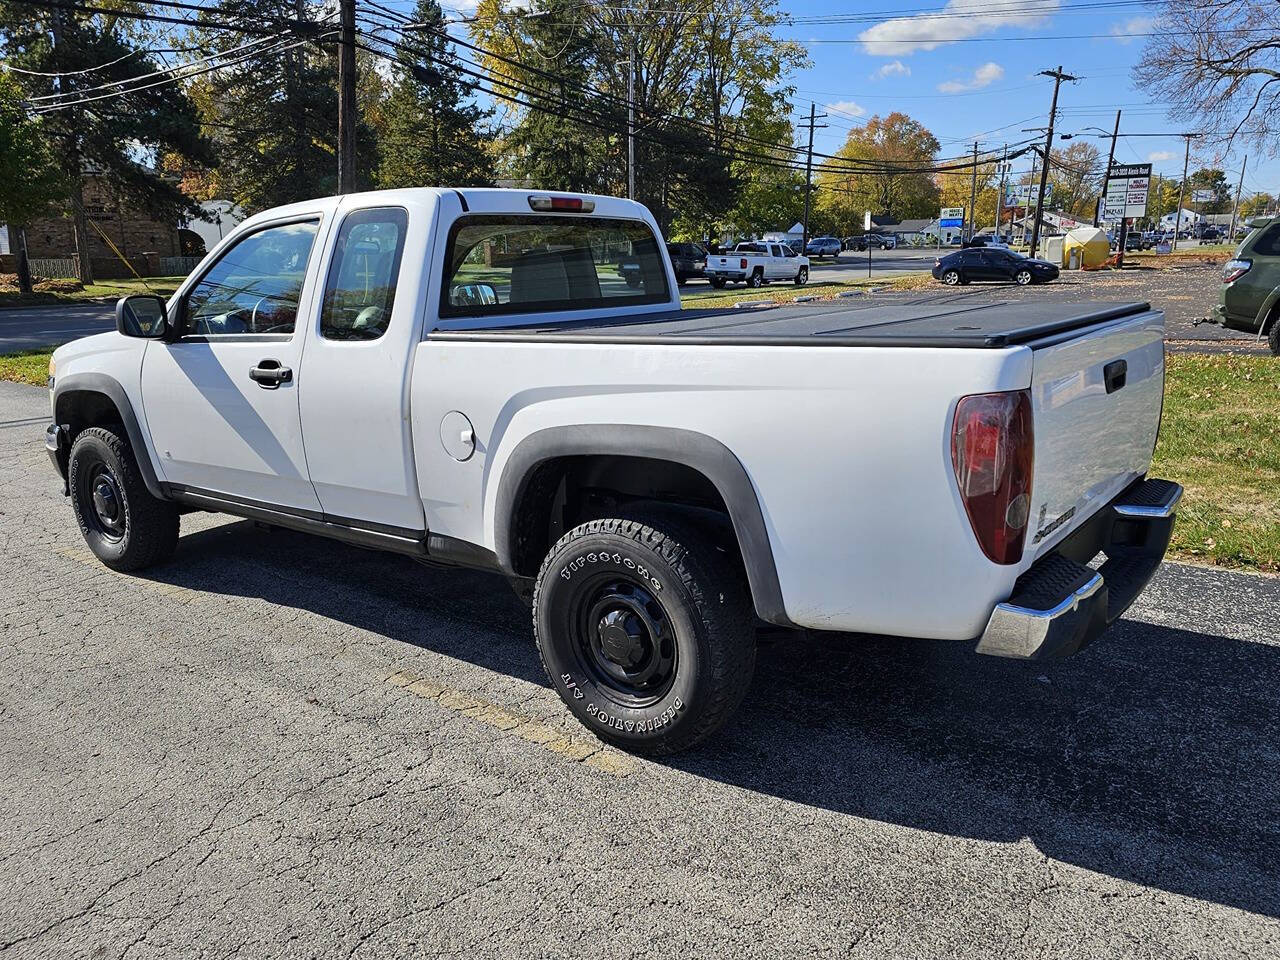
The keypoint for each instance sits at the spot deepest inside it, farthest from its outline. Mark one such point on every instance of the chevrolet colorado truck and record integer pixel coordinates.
(463, 377)
(757, 262)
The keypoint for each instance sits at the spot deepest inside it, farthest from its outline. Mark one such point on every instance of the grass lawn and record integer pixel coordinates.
(1220, 439)
(103, 290)
(29, 366)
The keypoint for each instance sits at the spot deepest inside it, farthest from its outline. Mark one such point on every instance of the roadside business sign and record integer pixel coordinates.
(1024, 194)
(1203, 196)
(951, 217)
(1126, 191)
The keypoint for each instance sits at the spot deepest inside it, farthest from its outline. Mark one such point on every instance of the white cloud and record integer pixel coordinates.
(957, 20)
(894, 68)
(848, 108)
(1159, 156)
(1131, 26)
(984, 76)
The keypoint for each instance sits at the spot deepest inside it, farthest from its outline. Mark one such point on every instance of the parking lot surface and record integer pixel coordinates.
(278, 746)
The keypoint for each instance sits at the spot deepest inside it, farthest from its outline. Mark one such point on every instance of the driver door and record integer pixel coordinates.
(221, 400)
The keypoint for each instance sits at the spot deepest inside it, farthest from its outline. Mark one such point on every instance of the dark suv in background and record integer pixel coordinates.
(1251, 281)
(688, 260)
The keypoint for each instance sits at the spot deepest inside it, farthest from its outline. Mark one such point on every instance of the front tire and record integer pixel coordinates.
(951, 278)
(123, 524)
(645, 632)
(1023, 278)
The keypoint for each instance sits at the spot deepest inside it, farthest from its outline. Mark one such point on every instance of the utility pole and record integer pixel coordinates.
(1004, 160)
(1235, 210)
(1111, 157)
(973, 190)
(1155, 218)
(814, 117)
(1058, 77)
(1177, 211)
(346, 96)
(631, 122)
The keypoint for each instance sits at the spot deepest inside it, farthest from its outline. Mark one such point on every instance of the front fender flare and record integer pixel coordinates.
(695, 450)
(113, 391)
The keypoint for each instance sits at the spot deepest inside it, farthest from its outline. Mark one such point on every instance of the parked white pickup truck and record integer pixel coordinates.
(757, 262)
(463, 376)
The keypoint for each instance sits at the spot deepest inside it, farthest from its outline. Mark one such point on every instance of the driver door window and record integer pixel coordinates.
(254, 287)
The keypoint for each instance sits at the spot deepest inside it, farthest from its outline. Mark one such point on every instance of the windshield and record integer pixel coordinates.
(524, 264)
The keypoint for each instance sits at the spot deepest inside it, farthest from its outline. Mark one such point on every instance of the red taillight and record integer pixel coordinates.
(743, 263)
(993, 452)
(562, 204)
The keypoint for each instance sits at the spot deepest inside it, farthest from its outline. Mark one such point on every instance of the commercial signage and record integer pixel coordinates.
(951, 217)
(1203, 196)
(1126, 191)
(1024, 194)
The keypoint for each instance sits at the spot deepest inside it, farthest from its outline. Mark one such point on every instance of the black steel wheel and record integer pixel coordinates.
(123, 524)
(645, 630)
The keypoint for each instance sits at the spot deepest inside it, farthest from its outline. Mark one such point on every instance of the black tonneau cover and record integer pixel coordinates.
(937, 322)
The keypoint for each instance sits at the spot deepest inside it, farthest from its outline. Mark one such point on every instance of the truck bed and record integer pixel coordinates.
(930, 322)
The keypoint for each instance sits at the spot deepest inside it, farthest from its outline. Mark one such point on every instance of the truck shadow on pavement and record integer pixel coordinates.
(1151, 757)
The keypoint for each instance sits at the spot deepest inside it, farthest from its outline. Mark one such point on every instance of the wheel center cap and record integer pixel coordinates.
(104, 500)
(620, 640)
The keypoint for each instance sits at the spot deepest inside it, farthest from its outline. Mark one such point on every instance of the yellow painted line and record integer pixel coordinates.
(152, 586)
(591, 753)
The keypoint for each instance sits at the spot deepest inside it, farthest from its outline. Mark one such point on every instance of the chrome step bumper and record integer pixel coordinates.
(1061, 605)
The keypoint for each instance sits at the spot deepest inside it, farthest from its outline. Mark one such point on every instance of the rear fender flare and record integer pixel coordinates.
(695, 450)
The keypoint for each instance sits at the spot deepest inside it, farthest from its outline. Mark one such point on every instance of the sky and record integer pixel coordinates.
(967, 69)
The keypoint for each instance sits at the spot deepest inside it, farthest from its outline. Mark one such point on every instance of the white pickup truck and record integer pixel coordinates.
(757, 262)
(463, 376)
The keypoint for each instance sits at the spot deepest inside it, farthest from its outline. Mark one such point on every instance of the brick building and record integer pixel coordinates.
(142, 240)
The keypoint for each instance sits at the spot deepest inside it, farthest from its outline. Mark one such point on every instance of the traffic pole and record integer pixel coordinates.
(1097, 212)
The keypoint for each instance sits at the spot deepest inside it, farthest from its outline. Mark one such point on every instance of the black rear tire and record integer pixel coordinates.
(756, 279)
(645, 631)
(123, 524)
(717, 282)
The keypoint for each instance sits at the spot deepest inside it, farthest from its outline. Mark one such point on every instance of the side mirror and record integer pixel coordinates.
(473, 295)
(142, 315)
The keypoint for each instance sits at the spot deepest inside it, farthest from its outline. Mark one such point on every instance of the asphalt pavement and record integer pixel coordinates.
(280, 746)
(33, 328)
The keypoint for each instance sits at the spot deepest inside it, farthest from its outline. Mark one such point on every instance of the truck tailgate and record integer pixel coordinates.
(1096, 399)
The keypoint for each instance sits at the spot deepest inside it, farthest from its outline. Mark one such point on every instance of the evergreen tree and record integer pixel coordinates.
(430, 134)
(75, 55)
(274, 116)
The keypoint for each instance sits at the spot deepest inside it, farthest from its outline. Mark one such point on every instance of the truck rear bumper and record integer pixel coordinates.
(1061, 605)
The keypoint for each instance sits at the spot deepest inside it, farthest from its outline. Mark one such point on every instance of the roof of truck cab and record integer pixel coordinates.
(935, 321)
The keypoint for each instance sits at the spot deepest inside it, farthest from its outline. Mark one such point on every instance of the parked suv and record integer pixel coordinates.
(688, 260)
(823, 247)
(1250, 293)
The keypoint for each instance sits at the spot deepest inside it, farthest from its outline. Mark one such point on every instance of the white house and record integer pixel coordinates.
(794, 235)
(223, 214)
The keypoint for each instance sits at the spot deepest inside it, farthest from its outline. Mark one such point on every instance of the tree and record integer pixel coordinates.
(706, 83)
(67, 57)
(1076, 174)
(30, 181)
(882, 167)
(955, 189)
(1256, 205)
(1215, 181)
(431, 133)
(1218, 63)
(273, 116)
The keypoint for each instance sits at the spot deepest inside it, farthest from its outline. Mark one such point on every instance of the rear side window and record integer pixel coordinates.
(1268, 245)
(361, 288)
(527, 264)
